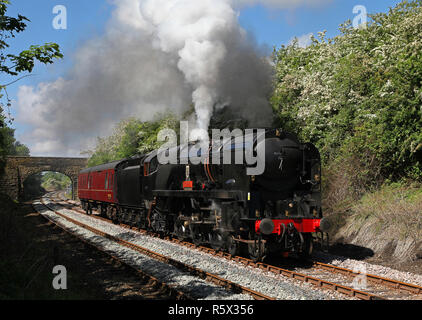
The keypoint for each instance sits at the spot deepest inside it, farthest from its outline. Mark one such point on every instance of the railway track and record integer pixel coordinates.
(321, 275)
(210, 277)
(174, 293)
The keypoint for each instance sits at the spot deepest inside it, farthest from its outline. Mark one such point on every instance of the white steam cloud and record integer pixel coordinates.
(155, 55)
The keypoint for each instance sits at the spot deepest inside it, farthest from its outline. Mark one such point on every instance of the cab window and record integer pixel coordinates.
(151, 166)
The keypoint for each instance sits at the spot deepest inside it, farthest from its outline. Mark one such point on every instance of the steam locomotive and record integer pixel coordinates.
(218, 204)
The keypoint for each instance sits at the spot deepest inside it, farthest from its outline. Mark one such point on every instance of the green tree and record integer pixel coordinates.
(16, 65)
(131, 137)
(14, 147)
(358, 96)
(55, 181)
(19, 149)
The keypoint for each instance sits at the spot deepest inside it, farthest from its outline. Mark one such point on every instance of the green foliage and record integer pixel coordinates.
(19, 149)
(131, 137)
(14, 65)
(359, 96)
(25, 61)
(55, 181)
(13, 147)
(10, 146)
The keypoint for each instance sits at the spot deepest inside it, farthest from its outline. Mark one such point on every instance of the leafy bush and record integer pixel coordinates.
(131, 137)
(55, 181)
(358, 96)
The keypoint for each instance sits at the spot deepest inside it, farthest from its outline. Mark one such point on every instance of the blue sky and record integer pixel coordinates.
(87, 19)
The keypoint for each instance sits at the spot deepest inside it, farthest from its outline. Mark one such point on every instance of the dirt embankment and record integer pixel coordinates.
(30, 247)
(384, 227)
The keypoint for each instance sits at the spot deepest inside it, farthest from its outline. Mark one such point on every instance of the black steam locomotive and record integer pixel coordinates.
(219, 205)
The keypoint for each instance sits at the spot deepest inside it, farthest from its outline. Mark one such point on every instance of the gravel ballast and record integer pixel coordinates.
(193, 286)
(267, 283)
(358, 265)
(370, 268)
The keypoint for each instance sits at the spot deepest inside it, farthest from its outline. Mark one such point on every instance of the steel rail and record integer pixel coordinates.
(227, 284)
(248, 262)
(394, 284)
(391, 283)
(321, 283)
(175, 293)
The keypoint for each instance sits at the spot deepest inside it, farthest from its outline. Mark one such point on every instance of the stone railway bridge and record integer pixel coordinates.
(19, 168)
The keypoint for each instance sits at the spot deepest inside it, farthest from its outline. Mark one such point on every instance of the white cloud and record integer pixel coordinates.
(155, 55)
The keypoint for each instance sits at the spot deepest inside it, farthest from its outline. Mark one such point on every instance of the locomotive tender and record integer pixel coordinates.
(218, 204)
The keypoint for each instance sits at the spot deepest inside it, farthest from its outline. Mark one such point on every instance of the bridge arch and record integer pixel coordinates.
(28, 187)
(18, 169)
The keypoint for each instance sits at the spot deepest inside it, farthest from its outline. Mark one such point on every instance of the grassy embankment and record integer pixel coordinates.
(29, 249)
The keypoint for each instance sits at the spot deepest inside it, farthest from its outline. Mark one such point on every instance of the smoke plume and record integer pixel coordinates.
(155, 55)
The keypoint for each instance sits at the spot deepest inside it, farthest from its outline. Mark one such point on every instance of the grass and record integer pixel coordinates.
(30, 247)
(395, 210)
(358, 201)
(28, 252)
